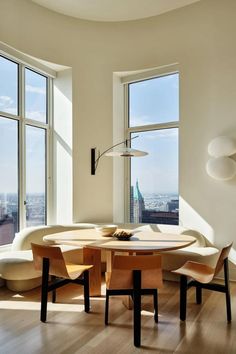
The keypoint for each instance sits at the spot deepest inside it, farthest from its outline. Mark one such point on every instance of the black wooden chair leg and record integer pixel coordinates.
(227, 290)
(54, 292)
(44, 290)
(107, 308)
(86, 291)
(155, 303)
(198, 294)
(137, 308)
(54, 296)
(183, 297)
(228, 306)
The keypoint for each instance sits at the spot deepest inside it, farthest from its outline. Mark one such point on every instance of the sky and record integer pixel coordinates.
(35, 108)
(150, 102)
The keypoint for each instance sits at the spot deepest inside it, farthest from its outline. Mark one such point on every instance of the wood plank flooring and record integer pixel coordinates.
(69, 330)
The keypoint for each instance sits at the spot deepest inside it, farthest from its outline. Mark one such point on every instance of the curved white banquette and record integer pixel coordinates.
(17, 268)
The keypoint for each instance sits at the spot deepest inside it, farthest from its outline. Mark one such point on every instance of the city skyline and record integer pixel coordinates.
(158, 209)
(9, 214)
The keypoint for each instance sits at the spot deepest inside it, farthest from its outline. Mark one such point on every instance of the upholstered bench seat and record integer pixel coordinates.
(17, 267)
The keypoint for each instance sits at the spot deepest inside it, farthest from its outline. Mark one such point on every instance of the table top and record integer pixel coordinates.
(139, 242)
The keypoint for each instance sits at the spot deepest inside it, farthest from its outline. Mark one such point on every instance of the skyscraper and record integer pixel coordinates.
(138, 204)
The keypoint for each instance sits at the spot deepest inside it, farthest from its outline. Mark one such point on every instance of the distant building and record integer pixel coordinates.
(15, 215)
(2, 209)
(138, 204)
(7, 233)
(167, 214)
(131, 207)
(173, 205)
(160, 217)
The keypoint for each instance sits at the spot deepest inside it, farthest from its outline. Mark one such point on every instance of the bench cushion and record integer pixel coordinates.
(19, 265)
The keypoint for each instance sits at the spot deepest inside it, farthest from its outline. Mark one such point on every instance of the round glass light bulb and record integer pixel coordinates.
(222, 146)
(221, 168)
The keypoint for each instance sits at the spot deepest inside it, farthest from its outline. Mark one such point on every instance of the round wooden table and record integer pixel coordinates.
(93, 243)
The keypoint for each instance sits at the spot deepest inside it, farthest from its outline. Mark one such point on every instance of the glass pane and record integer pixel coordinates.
(35, 96)
(9, 212)
(154, 178)
(8, 86)
(154, 101)
(35, 176)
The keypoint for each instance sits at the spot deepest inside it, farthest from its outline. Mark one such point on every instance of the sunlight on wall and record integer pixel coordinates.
(118, 164)
(62, 137)
(190, 218)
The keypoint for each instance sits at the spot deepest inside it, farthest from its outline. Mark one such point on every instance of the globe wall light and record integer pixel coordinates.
(222, 146)
(221, 166)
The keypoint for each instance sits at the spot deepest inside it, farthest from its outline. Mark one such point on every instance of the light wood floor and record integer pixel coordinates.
(69, 330)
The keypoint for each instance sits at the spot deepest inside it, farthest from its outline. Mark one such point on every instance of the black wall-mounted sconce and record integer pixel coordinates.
(124, 151)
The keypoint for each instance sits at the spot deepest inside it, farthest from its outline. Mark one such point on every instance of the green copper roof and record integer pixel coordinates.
(137, 193)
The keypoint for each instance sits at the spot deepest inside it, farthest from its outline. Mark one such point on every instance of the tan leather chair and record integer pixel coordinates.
(50, 261)
(135, 276)
(202, 276)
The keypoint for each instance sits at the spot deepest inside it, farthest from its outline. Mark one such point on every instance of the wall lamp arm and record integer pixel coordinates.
(94, 160)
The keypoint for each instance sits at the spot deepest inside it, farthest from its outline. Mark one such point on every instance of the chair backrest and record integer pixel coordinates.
(121, 276)
(223, 255)
(56, 261)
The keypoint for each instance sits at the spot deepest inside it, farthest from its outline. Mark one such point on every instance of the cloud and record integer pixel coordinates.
(141, 120)
(11, 110)
(163, 133)
(5, 101)
(36, 115)
(34, 89)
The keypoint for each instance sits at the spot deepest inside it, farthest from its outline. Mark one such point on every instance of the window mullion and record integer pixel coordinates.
(35, 123)
(49, 151)
(22, 173)
(150, 127)
(127, 161)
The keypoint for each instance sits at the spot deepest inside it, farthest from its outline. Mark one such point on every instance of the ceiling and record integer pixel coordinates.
(112, 10)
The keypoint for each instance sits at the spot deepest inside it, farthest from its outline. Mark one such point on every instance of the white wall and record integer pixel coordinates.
(200, 37)
(62, 149)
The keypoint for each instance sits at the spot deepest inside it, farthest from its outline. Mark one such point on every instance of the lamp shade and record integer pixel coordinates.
(221, 168)
(126, 152)
(222, 146)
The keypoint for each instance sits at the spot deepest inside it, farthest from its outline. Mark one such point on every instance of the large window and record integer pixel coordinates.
(153, 115)
(24, 124)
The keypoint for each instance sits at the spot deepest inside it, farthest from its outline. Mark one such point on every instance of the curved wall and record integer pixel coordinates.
(200, 37)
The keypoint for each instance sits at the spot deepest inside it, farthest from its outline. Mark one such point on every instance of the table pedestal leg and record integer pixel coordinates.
(109, 260)
(93, 256)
